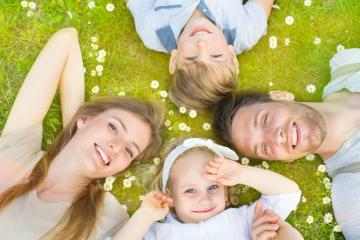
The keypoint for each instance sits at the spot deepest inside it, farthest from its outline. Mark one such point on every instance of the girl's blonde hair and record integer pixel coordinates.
(157, 183)
(199, 85)
(79, 220)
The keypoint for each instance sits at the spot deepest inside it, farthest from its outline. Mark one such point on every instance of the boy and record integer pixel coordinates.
(203, 38)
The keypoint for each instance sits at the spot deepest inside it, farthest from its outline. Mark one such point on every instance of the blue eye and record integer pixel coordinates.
(190, 190)
(214, 187)
(129, 152)
(113, 128)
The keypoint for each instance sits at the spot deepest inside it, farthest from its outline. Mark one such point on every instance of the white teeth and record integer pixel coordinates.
(294, 136)
(102, 154)
(200, 32)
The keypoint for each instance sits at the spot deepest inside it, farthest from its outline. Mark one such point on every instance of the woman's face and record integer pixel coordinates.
(107, 143)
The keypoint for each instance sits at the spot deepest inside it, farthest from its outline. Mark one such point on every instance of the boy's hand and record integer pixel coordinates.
(265, 224)
(223, 171)
(155, 206)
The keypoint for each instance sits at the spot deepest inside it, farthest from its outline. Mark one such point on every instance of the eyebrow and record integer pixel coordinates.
(256, 125)
(126, 131)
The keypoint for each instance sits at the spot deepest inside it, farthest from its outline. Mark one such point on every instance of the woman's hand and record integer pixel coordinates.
(155, 206)
(265, 224)
(224, 171)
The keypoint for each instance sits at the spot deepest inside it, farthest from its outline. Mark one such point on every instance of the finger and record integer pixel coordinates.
(210, 177)
(266, 227)
(258, 210)
(219, 160)
(266, 235)
(263, 220)
(214, 164)
(211, 170)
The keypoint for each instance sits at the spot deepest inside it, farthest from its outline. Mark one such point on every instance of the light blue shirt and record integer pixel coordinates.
(231, 224)
(345, 190)
(159, 22)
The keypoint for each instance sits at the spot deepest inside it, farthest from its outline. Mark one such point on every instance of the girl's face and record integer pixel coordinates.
(107, 143)
(195, 198)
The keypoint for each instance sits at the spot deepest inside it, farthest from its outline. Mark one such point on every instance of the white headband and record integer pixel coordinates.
(189, 143)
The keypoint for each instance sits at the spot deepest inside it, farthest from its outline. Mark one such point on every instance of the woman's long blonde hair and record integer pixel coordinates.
(79, 220)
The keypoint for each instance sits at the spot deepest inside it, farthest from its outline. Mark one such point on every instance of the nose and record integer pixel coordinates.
(204, 199)
(115, 146)
(275, 136)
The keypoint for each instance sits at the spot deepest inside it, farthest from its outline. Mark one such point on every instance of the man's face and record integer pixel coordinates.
(277, 130)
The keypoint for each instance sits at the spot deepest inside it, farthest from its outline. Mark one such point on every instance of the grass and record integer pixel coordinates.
(130, 67)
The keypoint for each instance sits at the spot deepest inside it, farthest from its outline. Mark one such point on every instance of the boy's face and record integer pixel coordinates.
(195, 198)
(201, 41)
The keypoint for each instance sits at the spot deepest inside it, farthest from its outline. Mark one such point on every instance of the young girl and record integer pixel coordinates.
(194, 183)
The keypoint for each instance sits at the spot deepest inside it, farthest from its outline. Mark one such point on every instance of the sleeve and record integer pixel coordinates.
(345, 72)
(252, 25)
(112, 218)
(19, 152)
(139, 10)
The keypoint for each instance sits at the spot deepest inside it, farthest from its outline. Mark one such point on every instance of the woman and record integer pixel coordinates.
(56, 195)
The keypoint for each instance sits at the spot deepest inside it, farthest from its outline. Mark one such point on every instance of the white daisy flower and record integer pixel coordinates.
(310, 88)
(110, 7)
(182, 126)
(99, 68)
(121, 93)
(326, 200)
(245, 161)
(310, 157)
(108, 186)
(340, 48)
(102, 53)
(70, 14)
(154, 84)
(94, 46)
(94, 39)
(188, 129)
(95, 89)
(93, 73)
(110, 179)
(99, 74)
(289, 20)
(124, 206)
(157, 161)
(127, 174)
(287, 41)
(275, 6)
(192, 113)
(303, 199)
(271, 84)
(265, 165)
(170, 128)
(32, 5)
(171, 113)
(91, 4)
(273, 42)
(326, 180)
(317, 40)
(29, 13)
(90, 55)
(321, 168)
(206, 126)
(24, 4)
(337, 228)
(167, 123)
(328, 186)
(328, 218)
(132, 178)
(182, 110)
(163, 94)
(100, 59)
(126, 183)
(310, 219)
(307, 3)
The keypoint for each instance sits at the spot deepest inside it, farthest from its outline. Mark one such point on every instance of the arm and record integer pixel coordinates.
(154, 207)
(265, 4)
(229, 173)
(58, 64)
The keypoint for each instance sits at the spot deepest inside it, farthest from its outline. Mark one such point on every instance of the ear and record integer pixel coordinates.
(172, 61)
(81, 122)
(282, 96)
(234, 57)
(168, 193)
(227, 200)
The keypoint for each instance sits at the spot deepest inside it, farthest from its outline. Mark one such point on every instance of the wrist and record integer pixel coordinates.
(239, 173)
(145, 216)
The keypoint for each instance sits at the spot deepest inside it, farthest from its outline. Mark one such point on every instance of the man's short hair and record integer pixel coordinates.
(225, 110)
(199, 85)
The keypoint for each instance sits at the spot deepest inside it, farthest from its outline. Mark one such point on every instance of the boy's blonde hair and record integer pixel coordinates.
(199, 85)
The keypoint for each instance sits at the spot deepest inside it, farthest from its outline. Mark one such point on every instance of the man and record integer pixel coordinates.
(274, 127)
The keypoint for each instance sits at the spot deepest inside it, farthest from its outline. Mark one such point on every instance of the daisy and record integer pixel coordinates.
(110, 179)
(110, 7)
(310, 157)
(108, 186)
(310, 88)
(321, 168)
(271, 84)
(265, 165)
(182, 126)
(122, 93)
(157, 161)
(93, 73)
(91, 4)
(99, 68)
(32, 5)
(182, 110)
(317, 41)
(192, 113)
(310, 219)
(167, 123)
(326, 200)
(126, 183)
(287, 41)
(289, 20)
(163, 94)
(340, 48)
(154, 84)
(95, 89)
(337, 228)
(206, 126)
(307, 3)
(245, 161)
(303, 199)
(102, 53)
(328, 218)
(94, 39)
(29, 13)
(24, 4)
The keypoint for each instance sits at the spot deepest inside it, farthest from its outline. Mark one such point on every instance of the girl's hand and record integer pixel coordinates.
(265, 224)
(155, 206)
(223, 171)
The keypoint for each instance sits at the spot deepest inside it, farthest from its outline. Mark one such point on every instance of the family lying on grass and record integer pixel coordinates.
(57, 195)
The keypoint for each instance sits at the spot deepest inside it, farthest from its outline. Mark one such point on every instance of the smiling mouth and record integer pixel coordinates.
(102, 155)
(203, 211)
(295, 137)
(199, 31)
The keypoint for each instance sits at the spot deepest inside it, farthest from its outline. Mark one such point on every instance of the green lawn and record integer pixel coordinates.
(129, 68)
